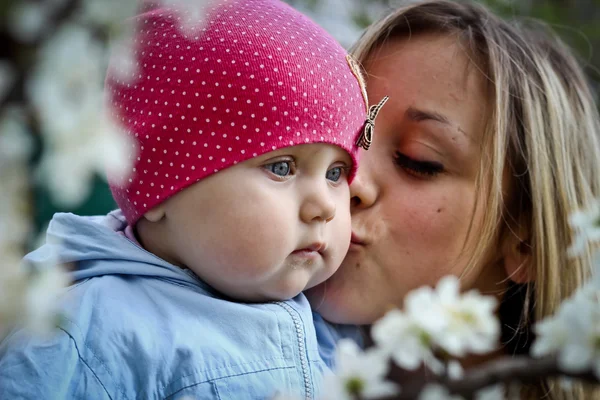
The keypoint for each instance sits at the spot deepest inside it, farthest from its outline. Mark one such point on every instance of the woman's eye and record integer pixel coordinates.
(280, 168)
(334, 174)
(424, 169)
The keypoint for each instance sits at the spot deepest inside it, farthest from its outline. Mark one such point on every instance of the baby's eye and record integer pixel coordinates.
(280, 168)
(335, 173)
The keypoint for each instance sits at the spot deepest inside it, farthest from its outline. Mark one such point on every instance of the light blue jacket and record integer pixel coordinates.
(137, 327)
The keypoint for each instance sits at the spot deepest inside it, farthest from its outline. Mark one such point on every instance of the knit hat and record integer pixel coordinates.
(256, 76)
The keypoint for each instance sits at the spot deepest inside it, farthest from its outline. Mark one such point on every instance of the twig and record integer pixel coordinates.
(514, 369)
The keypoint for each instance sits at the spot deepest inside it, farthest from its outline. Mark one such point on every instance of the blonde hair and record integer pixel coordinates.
(543, 128)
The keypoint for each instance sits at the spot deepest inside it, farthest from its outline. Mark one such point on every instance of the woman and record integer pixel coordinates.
(489, 140)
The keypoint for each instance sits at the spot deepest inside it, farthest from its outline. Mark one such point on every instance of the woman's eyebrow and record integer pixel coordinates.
(417, 115)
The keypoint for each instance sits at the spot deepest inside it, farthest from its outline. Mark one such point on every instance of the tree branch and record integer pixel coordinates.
(507, 370)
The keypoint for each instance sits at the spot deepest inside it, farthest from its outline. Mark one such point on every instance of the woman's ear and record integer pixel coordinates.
(155, 214)
(516, 255)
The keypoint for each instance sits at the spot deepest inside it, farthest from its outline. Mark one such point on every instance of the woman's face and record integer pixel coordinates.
(414, 195)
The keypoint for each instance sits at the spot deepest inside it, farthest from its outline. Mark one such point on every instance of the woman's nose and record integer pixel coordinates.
(363, 191)
(318, 206)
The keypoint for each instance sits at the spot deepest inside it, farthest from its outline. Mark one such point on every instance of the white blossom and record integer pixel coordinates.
(494, 392)
(15, 147)
(25, 299)
(108, 13)
(573, 332)
(124, 64)
(281, 396)
(358, 373)
(551, 335)
(338, 16)
(11, 289)
(14, 212)
(15, 143)
(79, 138)
(472, 326)
(29, 299)
(408, 343)
(14, 215)
(586, 224)
(435, 391)
(455, 370)
(28, 20)
(192, 13)
(335, 16)
(438, 319)
(41, 300)
(114, 14)
(566, 383)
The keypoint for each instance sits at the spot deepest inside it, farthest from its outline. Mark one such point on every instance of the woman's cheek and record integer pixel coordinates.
(420, 220)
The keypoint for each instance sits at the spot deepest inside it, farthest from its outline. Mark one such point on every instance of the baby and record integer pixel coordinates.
(246, 137)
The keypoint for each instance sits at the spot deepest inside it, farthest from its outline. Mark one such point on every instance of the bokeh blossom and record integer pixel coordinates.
(358, 374)
(440, 320)
(586, 225)
(573, 333)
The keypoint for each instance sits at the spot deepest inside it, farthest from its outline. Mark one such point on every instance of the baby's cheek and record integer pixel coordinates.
(262, 243)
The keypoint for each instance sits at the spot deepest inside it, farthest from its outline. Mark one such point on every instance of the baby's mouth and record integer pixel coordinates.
(318, 247)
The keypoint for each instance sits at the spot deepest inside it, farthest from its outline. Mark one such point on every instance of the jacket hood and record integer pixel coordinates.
(95, 246)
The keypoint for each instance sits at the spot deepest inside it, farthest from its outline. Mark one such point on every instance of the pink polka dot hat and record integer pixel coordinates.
(256, 76)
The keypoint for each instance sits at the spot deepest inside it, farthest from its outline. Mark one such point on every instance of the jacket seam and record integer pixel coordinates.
(85, 362)
(212, 381)
(118, 387)
(216, 388)
(207, 371)
(302, 350)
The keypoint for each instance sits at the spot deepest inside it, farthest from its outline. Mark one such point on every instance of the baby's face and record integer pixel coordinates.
(267, 228)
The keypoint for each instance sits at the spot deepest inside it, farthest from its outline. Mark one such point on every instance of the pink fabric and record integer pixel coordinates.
(256, 77)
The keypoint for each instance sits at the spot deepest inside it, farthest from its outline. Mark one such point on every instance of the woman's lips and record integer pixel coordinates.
(356, 240)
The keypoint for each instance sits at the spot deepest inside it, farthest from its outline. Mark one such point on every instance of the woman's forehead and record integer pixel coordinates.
(429, 77)
(441, 58)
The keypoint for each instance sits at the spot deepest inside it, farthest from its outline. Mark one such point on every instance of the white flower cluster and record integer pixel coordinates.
(192, 13)
(30, 299)
(573, 332)
(443, 322)
(438, 321)
(435, 323)
(14, 225)
(339, 17)
(359, 374)
(64, 92)
(586, 224)
(26, 298)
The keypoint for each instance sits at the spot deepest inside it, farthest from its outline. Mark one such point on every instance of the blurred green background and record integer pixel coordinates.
(577, 21)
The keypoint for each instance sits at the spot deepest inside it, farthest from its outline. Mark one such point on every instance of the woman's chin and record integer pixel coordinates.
(333, 308)
(316, 295)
